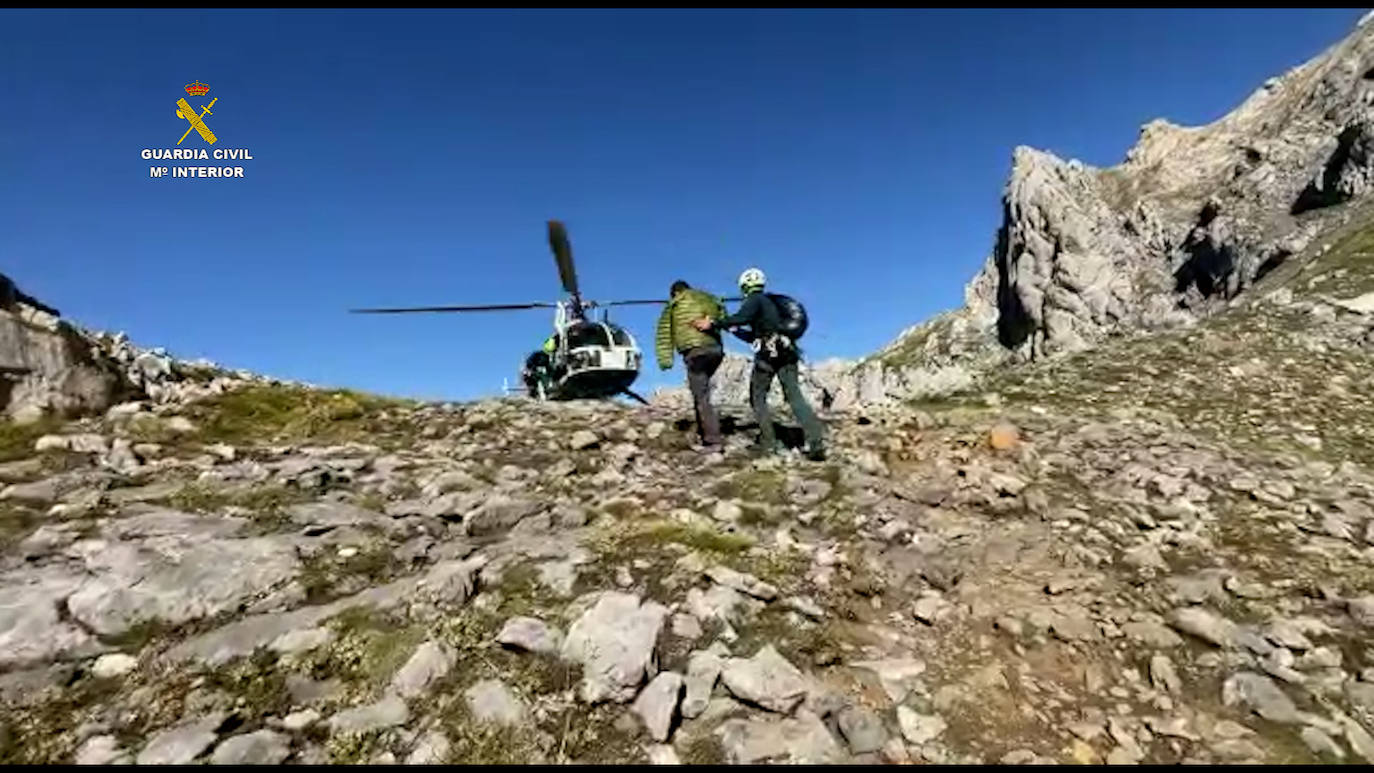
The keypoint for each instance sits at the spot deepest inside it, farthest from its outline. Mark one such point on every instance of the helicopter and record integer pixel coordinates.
(591, 359)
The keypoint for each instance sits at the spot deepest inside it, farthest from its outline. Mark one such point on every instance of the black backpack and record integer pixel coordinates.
(792, 319)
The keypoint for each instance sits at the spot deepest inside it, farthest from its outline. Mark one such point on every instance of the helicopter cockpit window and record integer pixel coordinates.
(620, 337)
(587, 335)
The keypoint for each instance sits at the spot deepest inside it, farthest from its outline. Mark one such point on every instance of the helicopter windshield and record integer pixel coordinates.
(620, 337)
(587, 335)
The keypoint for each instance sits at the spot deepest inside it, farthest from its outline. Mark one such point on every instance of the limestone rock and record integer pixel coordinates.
(657, 704)
(263, 747)
(530, 635)
(703, 669)
(181, 744)
(390, 711)
(432, 749)
(919, 728)
(52, 369)
(113, 665)
(803, 740)
(862, 730)
(767, 679)
(175, 579)
(431, 662)
(101, 750)
(31, 629)
(614, 641)
(1261, 695)
(490, 700)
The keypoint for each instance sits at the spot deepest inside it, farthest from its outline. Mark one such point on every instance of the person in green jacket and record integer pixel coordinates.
(702, 352)
(539, 365)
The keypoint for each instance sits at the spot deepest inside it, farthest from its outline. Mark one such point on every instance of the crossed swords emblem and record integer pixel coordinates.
(184, 111)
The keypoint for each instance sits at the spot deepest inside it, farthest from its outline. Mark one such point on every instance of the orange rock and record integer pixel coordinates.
(1004, 437)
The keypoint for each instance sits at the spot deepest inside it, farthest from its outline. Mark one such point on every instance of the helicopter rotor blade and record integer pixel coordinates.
(496, 307)
(562, 255)
(644, 302)
(627, 303)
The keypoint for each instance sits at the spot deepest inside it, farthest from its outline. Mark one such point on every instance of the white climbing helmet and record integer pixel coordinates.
(752, 277)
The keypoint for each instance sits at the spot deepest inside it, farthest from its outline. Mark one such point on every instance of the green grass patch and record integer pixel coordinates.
(661, 543)
(261, 414)
(17, 523)
(785, 569)
(703, 748)
(1353, 253)
(699, 538)
(257, 682)
(592, 737)
(355, 748)
(328, 576)
(17, 440)
(147, 428)
(481, 743)
(767, 486)
(199, 497)
(833, 474)
(520, 591)
(44, 733)
(805, 646)
(622, 508)
(370, 648)
(372, 501)
(753, 515)
(139, 635)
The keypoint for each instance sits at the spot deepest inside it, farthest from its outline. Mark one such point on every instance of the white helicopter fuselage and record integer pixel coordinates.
(593, 359)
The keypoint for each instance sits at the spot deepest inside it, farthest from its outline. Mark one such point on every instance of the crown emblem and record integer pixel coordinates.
(197, 89)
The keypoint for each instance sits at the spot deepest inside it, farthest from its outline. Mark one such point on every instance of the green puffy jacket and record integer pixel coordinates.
(675, 330)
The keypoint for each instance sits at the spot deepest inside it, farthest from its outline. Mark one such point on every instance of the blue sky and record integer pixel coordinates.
(412, 158)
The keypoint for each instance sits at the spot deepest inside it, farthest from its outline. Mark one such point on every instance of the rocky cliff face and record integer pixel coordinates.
(49, 367)
(1191, 219)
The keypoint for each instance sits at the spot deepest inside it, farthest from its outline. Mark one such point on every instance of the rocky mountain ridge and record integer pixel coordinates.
(1192, 218)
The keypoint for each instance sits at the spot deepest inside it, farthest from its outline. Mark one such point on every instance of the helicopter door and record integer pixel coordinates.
(626, 353)
(587, 343)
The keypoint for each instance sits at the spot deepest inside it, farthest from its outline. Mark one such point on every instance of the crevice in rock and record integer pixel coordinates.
(1345, 174)
(1014, 324)
(1210, 259)
(1272, 262)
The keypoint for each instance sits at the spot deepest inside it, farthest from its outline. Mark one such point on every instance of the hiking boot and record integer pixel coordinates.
(815, 453)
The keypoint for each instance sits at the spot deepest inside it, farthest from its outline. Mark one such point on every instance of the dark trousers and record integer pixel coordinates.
(761, 381)
(702, 363)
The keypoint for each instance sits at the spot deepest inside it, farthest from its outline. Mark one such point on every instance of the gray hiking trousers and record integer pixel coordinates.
(702, 363)
(761, 381)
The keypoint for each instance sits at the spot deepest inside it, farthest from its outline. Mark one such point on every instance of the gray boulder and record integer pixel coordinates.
(614, 642)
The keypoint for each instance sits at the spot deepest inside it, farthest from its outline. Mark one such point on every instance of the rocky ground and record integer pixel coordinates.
(1158, 551)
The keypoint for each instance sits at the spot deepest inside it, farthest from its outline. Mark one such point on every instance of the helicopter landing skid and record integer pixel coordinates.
(635, 396)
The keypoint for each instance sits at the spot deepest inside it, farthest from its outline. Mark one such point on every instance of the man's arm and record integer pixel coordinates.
(663, 340)
(748, 311)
